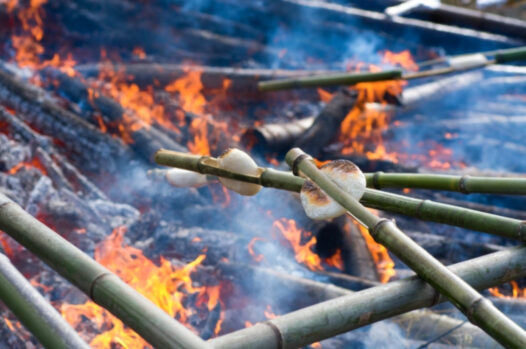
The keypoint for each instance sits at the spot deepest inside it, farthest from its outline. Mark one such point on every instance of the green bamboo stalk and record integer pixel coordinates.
(343, 314)
(478, 309)
(511, 55)
(422, 209)
(354, 78)
(101, 285)
(462, 184)
(37, 315)
(209, 166)
(500, 56)
(329, 80)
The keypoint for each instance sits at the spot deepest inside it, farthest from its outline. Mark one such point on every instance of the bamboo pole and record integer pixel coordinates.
(478, 309)
(101, 285)
(37, 315)
(343, 314)
(462, 184)
(329, 80)
(500, 56)
(421, 209)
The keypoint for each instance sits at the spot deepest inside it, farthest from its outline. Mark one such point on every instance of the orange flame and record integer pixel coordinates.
(335, 260)
(269, 314)
(189, 90)
(256, 257)
(384, 263)
(516, 291)
(403, 59)
(364, 125)
(165, 285)
(293, 235)
(34, 163)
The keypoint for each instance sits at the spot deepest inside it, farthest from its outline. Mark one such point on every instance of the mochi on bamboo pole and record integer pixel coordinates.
(346, 175)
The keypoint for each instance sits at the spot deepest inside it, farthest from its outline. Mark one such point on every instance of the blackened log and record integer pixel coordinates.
(53, 170)
(21, 131)
(275, 137)
(341, 235)
(90, 149)
(146, 140)
(327, 123)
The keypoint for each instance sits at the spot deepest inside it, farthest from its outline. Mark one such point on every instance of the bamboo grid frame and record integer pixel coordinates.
(316, 322)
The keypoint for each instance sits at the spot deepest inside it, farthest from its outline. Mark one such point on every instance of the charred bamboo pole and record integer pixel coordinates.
(502, 56)
(37, 315)
(462, 184)
(343, 314)
(101, 285)
(422, 209)
(478, 309)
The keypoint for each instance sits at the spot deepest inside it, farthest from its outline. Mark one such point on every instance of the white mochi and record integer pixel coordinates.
(238, 161)
(184, 179)
(346, 175)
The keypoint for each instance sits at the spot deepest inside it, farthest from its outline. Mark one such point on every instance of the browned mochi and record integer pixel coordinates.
(346, 175)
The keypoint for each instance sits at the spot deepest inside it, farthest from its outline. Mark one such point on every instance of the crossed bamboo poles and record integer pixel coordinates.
(328, 318)
(479, 310)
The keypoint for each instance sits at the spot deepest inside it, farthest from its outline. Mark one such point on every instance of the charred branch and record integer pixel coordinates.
(90, 149)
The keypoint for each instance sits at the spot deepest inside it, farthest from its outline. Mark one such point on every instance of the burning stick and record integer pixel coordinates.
(462, 184)
(104, 287)
(362, 308)
(475, 61)
(37, 315)
(479, 310)
(421, 209)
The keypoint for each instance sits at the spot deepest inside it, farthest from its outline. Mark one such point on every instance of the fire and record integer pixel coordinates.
(293, 236)
(256, 257)
(269, 314)
(403, 59)
(9, 324)
(199, 145)
(189, 90)
(384, 263)
(167, 286)
(335, 260)
(363, 125)
(34, 163)
(27, 43)
(516, 291)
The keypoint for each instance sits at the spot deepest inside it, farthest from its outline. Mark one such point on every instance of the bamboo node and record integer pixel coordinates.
(94, 283)
(462, 184)
(376, 179)
(471, 310)
(376, 228)
(296, 163)
(419, 208)
(277, 333)
(521, 234)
